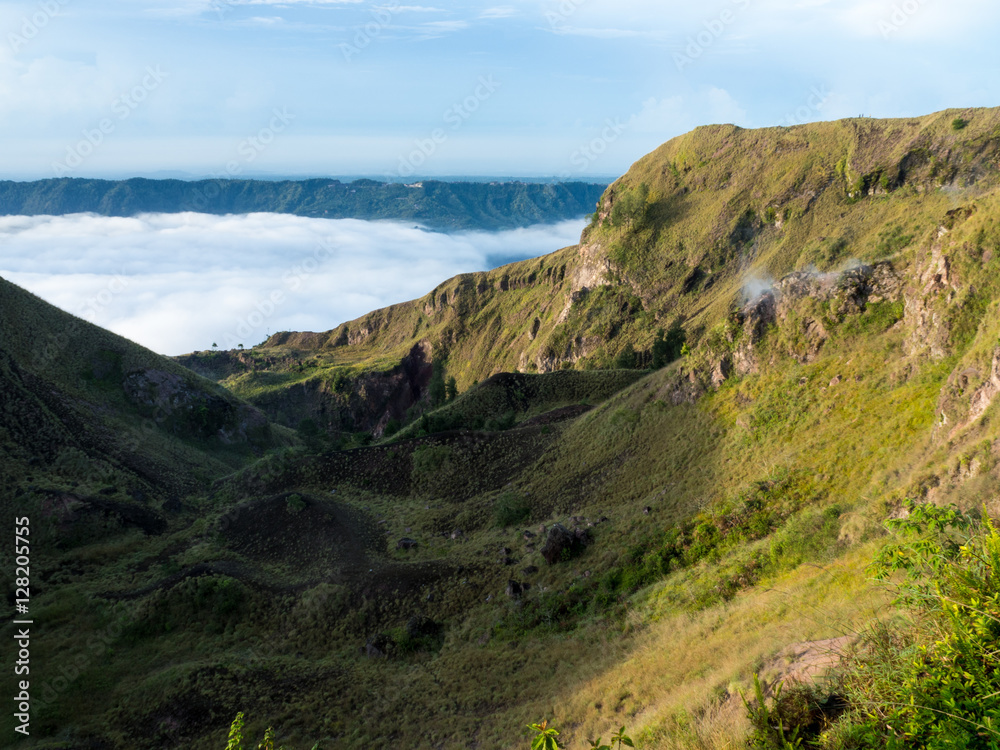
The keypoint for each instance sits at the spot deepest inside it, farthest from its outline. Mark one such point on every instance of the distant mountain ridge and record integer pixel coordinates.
(438, 205)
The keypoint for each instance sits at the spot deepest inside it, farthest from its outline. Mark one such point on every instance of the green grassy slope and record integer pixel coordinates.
(765, 484)
(88, 411)
(721, 508)
(514, 398)
(724, 203)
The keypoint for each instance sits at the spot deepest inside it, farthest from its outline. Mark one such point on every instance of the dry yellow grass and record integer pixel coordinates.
(678, 686)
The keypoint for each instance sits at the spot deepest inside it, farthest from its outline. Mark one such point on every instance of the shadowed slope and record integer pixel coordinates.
(88, 410)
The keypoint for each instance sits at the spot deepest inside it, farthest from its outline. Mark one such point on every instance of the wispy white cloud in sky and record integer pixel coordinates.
(673, 113)
(562, 62)
(437, 28)
(505, 11)
(606, 32)
(289, 3)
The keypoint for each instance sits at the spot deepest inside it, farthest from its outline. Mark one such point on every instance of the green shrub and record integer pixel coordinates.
(667, 345)
(437, 389)
(222, 596)
(295, 504)
(504, 422)
(935, 684)
(340, 381)
(619, 738)
(631, 207)
(777, 727)
(878, 317)
(308, 428)
(626, 359)
(511, 508)
(235, 741)
(407, 642)
(429, 460)
(545, 737)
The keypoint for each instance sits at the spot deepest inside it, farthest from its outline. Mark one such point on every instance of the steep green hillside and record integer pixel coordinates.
(596, 546)
(681, 239)
(723, 205)
(91, 420)
(439, 205)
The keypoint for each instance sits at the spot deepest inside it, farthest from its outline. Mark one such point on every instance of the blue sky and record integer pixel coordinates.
(573, 88)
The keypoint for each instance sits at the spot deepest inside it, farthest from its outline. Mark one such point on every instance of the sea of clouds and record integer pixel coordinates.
(177, 283)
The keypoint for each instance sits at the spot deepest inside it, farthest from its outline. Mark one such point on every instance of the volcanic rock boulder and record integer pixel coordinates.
(378, 646)
(562, 544)
(515, 589)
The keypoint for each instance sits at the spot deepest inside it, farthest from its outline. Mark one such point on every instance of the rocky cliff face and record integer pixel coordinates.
(939, 297)
(803, 305)
(219, 365)
(366, 402)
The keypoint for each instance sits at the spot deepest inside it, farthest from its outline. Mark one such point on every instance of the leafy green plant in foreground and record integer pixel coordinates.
(769, 728)
(545, 736)
(933, 683)
(619, 738)
(236, 737)
(236, 733)
(937, 685)
(545, 739)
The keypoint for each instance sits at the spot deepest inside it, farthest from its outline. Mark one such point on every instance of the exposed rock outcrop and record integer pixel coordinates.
(366, 403)
(987, 392)
(928, 323)
(758, 314)
(593, 269)
(787, 304)
(562, 544)
(515, 589)
(379, 646)
(420, 626)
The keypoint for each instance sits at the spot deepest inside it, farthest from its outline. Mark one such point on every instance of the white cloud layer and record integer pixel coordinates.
(181, 282)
